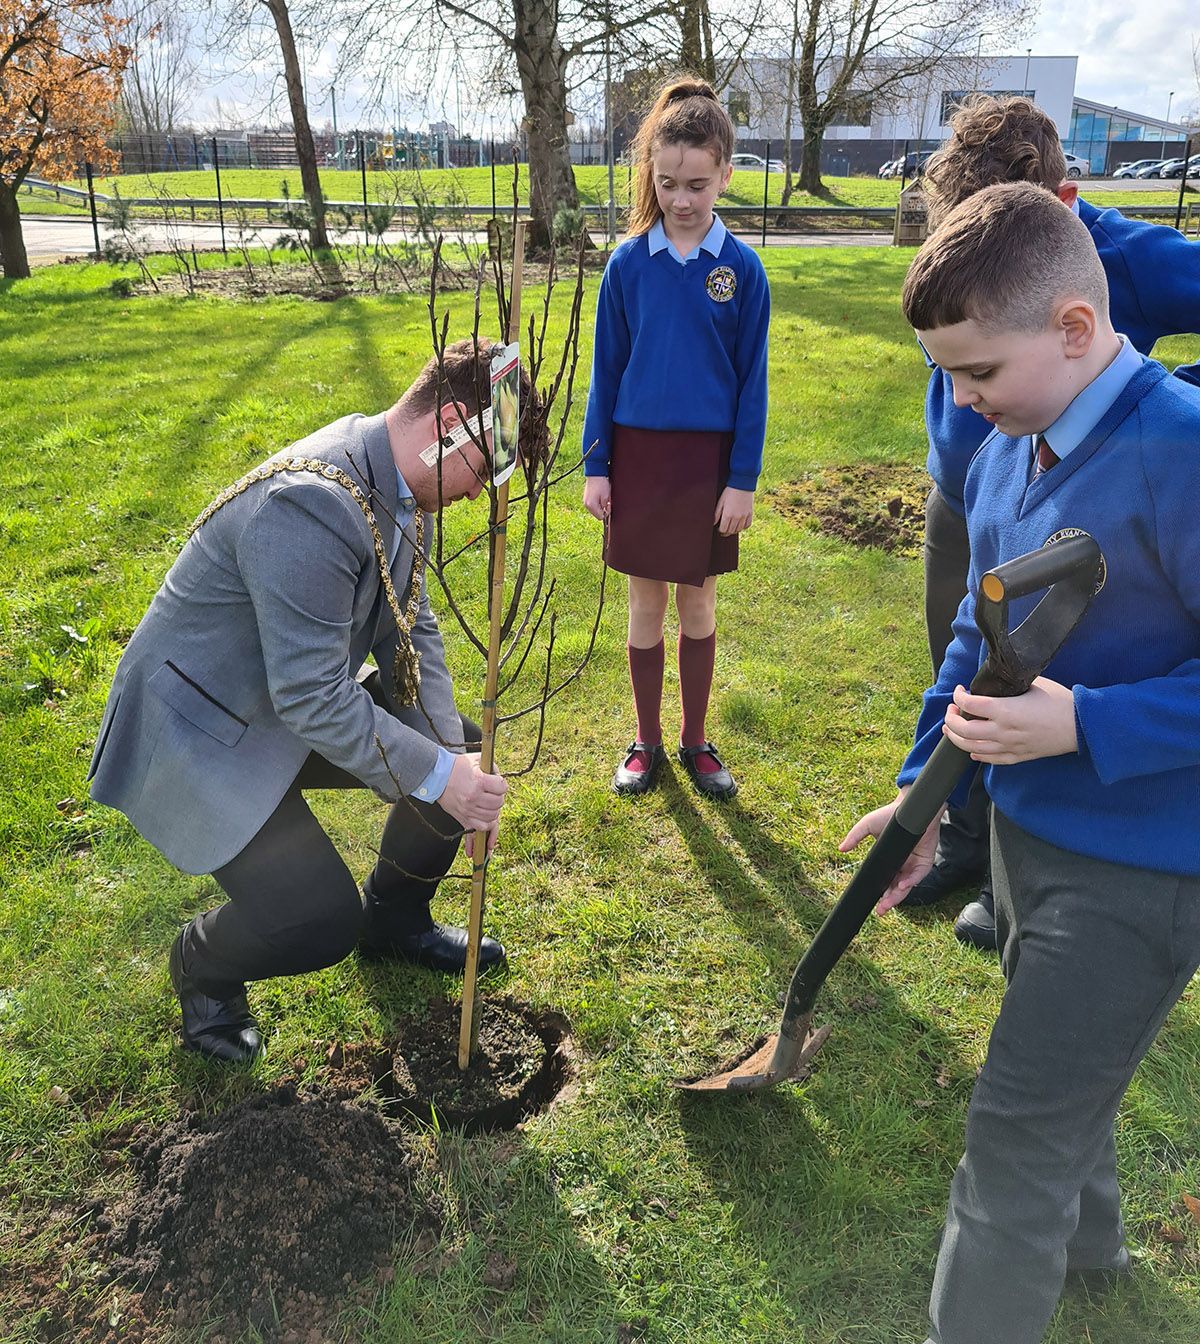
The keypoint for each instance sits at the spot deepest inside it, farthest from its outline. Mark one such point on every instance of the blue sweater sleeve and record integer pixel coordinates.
(1163, 272)
(750, 364)
(1153, 725)
(610, 355)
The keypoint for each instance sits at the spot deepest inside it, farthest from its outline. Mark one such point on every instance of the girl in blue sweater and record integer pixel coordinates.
(676, 416)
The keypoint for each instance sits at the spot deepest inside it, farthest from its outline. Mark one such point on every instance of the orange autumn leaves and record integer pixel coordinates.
(60, 72)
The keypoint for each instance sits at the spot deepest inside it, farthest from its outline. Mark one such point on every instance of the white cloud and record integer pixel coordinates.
(1133, 53)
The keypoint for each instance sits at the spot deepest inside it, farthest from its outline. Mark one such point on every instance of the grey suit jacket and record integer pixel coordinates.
(246, 661)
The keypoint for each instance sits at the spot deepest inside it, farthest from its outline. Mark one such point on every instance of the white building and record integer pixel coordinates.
(876, 127)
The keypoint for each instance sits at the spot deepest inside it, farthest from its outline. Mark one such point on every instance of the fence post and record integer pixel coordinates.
(362, 167)
(92, 203)
(766, 188)
(492, 157)
(1187, 150)
(904, 166)
(220, 198)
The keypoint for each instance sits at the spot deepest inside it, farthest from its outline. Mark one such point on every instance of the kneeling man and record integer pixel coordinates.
(244, 685)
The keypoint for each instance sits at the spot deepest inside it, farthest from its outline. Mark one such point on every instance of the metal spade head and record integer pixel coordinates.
(758, 1066)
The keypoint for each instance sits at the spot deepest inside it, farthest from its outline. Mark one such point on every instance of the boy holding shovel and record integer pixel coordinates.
(1094, 773)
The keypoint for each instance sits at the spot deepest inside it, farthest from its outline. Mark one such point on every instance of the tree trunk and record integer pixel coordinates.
(305, 149)
(695, 48)
(12, 244)
(542, 65)
(810, 161)
(789, 183)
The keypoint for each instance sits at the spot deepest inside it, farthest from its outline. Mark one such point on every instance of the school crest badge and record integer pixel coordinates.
(1065, 534)
(721, 284)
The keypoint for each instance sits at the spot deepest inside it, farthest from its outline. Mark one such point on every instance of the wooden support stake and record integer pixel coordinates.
(468, 1034)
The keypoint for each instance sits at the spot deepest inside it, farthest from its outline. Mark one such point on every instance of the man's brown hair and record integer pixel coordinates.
(994, 140)
(463, 378)
(1004, 258)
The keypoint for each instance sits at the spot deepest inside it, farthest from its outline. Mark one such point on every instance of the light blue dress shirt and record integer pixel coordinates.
(1088, 408)
(712, 242)
(431, 788)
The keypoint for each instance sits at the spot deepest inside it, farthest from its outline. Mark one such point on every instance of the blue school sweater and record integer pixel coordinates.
(681, 347)
(1131, 794)
(1153, 290)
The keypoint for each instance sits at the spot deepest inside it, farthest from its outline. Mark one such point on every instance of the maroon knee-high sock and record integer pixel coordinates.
(696, 660)
(646, 674)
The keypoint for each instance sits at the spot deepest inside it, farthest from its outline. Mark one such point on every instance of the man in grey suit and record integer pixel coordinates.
(244, 685)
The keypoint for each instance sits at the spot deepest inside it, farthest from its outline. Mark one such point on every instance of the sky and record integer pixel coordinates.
(1132, 53)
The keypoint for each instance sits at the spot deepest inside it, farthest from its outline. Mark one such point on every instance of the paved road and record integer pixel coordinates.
(53, 236)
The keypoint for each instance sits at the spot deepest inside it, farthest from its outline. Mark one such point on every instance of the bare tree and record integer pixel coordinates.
(846, 51)
(161, 79)
(243, 24)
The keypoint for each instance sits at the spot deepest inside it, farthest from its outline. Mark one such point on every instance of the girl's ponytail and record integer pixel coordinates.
(687, 111)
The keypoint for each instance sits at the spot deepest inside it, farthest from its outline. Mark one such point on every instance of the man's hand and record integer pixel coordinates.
(1006, 731)
(474, 800)
(914, 868)
(735, 509)
(597, 496)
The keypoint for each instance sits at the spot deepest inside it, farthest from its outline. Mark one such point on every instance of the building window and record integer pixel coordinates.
(739, 108)
(954, 98)
(856, 110)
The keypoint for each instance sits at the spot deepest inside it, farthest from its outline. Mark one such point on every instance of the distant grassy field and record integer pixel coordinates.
(473, 186)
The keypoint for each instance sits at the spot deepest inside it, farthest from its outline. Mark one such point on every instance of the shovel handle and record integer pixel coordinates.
(1069, 569)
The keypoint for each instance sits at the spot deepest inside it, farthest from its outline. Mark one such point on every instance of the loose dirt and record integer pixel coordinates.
(867, 504)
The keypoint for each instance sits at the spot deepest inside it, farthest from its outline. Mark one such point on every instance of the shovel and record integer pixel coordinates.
(1072, 572)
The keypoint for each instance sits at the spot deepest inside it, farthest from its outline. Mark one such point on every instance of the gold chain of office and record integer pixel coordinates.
(406, 671)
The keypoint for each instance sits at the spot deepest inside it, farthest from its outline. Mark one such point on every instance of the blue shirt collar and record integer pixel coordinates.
(1090, 405)
(712, 242)
(406, 507)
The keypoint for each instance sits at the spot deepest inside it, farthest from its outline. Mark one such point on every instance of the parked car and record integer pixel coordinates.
(1175, 167)
(907, 164)
(887, 169)
(756, 163)
(1077, 167)
(1152, 169)
(1132, 169)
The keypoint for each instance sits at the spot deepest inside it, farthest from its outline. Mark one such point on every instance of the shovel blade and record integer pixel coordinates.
(751, 1071)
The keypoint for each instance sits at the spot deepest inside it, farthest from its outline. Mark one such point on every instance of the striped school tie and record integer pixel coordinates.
(1046, 456)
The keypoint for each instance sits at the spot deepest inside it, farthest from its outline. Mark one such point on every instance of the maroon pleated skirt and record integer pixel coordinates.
(665, 487)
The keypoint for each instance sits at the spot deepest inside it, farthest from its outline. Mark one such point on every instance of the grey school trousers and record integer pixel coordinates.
(1095, 954)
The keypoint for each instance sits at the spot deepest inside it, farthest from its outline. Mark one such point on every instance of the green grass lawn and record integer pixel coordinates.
(474, 186)
(664, 928)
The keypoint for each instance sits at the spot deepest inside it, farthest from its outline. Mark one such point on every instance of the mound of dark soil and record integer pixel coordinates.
(272, 1214)
(867, 504)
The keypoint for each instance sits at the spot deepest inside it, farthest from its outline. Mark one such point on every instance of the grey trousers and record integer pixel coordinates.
(963, 837)
(1095, 955)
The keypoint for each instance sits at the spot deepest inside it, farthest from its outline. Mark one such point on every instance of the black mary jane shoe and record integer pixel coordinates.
(629, 781)
(717, 783)
(221, 1029)
(942, 880)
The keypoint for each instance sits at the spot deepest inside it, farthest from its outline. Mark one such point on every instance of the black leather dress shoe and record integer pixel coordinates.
(222, 1029)
(942, 880)
(441, 948)
(976, 924)
(717, 783)
(629, 781)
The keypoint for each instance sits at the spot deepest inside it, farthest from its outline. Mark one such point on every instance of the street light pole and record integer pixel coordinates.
(1170, 96)
(1028, 54)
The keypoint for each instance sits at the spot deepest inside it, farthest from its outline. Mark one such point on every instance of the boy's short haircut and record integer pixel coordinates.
(994, 140)
(1004, 258)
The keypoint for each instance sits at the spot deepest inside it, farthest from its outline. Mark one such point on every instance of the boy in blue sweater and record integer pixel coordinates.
(1153, 277)
(1094, 773)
